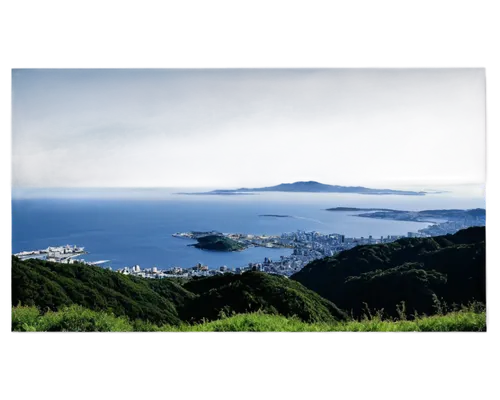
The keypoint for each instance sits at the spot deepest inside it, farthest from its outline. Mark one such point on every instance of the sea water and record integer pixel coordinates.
(137, 229)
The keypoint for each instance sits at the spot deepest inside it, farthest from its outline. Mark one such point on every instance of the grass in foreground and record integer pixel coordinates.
(79, 319)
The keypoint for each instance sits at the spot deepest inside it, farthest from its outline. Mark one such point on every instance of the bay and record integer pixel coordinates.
(138, 228)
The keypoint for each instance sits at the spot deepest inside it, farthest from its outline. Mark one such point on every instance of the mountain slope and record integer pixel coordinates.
(51, 286)
(413, 270)
(254, 291)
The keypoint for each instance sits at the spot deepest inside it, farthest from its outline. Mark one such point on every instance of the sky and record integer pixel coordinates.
(228, 128)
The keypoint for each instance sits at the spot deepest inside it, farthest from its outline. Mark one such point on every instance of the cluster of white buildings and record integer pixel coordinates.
(307, 247)
(174, 272)
(53, 251)
(60, 254)
(310, 246)
(448, 227)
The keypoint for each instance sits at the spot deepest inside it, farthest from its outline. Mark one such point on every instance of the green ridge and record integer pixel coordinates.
(403, 279)
(416, 271)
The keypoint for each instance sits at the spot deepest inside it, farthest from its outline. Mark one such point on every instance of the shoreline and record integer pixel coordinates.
(306, 246)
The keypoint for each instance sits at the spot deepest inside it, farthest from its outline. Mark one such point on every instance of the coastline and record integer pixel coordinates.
(126, 242)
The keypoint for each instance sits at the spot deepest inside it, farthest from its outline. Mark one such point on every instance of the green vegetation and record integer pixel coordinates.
(273, 294)
(416, 284)
(78, 319)
(416, 271)
(218, 243)
(51, 286)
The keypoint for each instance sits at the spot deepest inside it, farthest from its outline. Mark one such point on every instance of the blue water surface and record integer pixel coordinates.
(138, 230)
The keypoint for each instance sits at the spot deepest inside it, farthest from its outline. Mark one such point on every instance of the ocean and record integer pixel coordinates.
(137, 229)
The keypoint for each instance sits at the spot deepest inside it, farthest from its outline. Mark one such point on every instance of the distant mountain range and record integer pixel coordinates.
(313, 187)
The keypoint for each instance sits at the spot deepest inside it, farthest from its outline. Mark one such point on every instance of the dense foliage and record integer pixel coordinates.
(405, 279)
(78, 319)
(51, 285)
(218, 243)
(252, 291)
(416, 271)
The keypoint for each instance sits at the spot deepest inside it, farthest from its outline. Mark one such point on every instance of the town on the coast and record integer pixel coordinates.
(61, 254)
(305, 246)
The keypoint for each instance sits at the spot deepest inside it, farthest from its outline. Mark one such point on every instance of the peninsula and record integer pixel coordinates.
(218, 243)
(214, 240)
(195, 234)
(477, 214)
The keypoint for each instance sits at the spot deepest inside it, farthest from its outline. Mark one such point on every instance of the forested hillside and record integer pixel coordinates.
(421, 272)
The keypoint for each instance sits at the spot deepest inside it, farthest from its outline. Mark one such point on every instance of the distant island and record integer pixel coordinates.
(417, 216)
(312, 187)
(275, 215)
(359, 209)
(215, 192)
(218, 243)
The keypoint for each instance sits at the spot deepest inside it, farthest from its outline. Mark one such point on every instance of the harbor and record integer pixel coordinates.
(61, 254)
(283, 254)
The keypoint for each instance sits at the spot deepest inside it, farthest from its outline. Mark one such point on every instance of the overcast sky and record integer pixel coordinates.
(234, 128)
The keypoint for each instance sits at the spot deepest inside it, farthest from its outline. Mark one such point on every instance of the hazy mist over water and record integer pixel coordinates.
(440, 196)
(134, 226)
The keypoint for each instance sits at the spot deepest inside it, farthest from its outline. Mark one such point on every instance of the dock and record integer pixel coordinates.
(97, 262)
